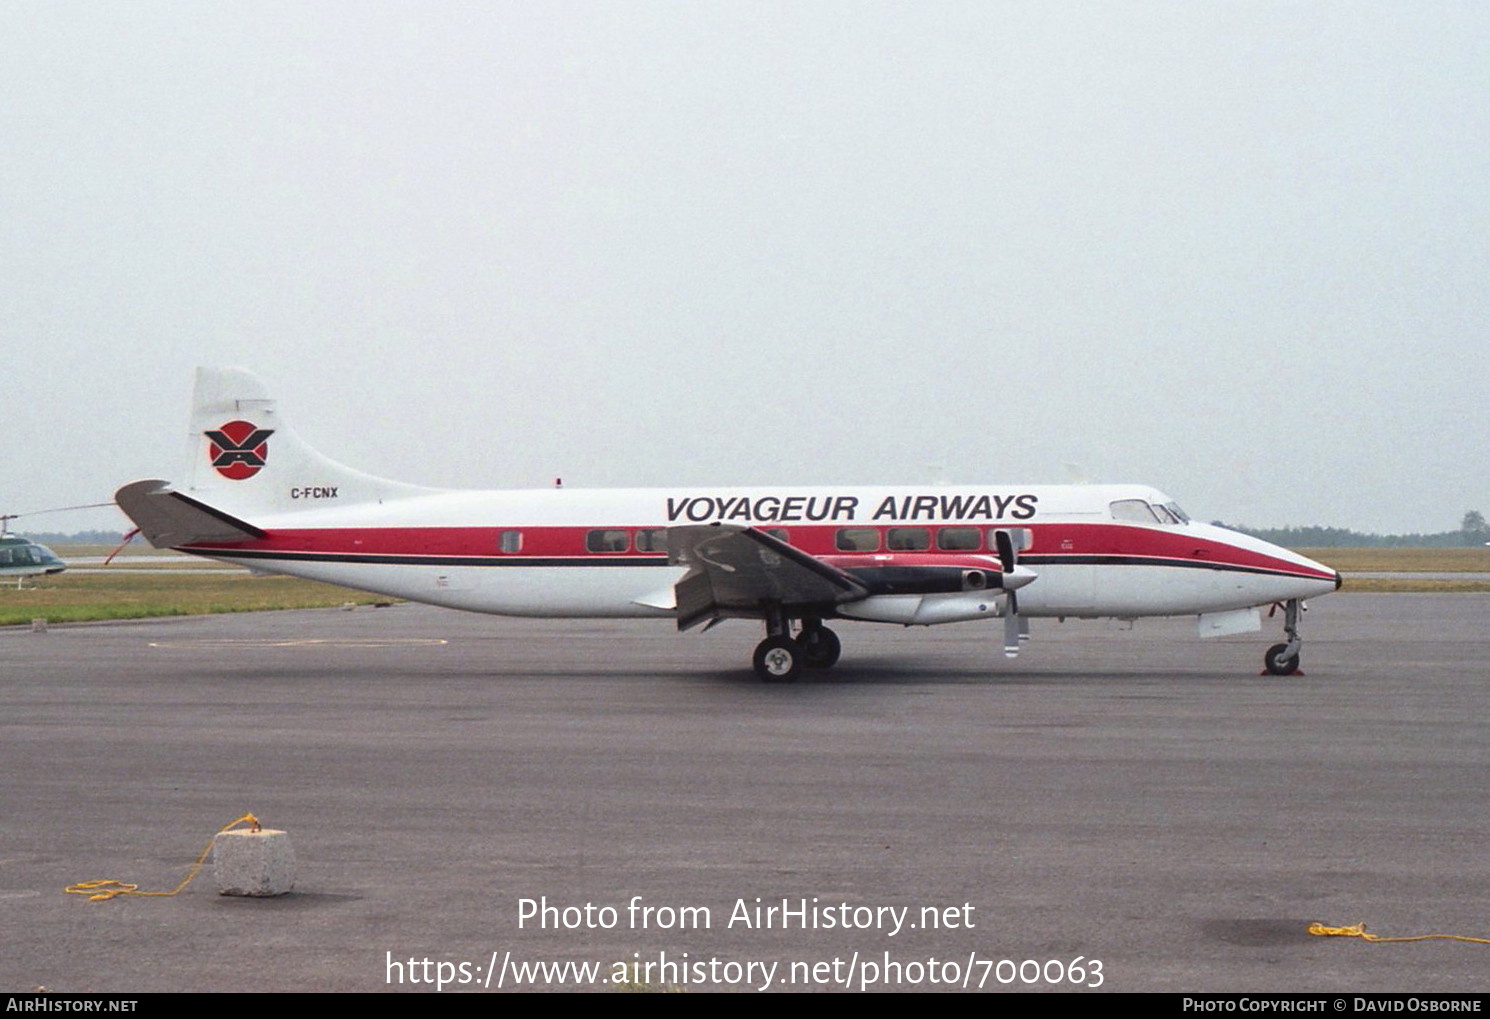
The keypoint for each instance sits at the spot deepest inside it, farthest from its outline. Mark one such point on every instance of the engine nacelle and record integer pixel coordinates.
(926, 609)
(924, 579)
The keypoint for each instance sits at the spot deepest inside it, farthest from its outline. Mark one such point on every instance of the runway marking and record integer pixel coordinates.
(258, 642)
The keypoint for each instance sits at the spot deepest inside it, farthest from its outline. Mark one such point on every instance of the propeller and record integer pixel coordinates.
(1014, 576)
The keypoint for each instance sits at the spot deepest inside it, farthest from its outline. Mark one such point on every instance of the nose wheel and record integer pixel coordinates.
(1279, 662)
(1283, 659)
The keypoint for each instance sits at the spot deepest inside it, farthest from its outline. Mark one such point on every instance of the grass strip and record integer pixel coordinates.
(79, 597)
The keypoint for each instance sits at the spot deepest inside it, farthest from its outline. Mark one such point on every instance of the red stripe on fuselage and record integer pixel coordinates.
(1052, 542)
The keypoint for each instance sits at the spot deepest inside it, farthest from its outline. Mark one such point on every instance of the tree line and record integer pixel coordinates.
(1472, 531)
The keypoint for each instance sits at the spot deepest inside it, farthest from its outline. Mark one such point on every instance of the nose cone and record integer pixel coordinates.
(1276, 573)
(1320, 578)
(1307, 578)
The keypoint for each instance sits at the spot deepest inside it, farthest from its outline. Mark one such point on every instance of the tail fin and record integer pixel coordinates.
(244, 460)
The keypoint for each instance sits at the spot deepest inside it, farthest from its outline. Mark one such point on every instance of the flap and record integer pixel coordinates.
(736, 570)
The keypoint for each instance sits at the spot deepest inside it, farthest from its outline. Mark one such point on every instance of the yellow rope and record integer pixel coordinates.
(107, 889)
(1359, 931)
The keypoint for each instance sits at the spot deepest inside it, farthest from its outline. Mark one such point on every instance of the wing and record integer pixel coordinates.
(739, 571)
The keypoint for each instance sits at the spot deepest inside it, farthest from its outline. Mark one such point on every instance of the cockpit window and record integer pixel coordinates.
(1134, 511)
(1140, 511)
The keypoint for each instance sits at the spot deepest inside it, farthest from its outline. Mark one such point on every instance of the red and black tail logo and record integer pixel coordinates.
(238, 449)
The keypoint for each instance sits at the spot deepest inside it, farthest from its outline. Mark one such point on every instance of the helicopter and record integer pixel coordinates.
(20, 558)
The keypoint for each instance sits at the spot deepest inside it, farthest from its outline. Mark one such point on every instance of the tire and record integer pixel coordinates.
(1277, 664)
(778, 660)
(820, 647)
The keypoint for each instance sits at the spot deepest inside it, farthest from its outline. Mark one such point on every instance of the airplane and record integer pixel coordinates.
(256, 495)
(20, 558)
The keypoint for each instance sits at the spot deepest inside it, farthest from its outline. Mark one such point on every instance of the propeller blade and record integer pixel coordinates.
(1007, 557)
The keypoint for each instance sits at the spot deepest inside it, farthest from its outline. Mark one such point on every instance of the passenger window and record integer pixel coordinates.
(958, 539)
(908, 539)
(858, 539)
(1134, 511)
(511, 541)
(606, 541)
(652, 539)
(1023, 538)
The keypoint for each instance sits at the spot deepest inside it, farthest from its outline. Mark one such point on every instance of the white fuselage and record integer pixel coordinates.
(597, 553)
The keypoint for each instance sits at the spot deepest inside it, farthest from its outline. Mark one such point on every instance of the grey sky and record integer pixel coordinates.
(1234, 250)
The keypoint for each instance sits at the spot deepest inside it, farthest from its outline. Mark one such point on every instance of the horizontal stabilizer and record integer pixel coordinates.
(169, 519)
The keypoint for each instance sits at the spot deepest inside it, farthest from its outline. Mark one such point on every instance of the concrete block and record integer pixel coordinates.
(258, 863)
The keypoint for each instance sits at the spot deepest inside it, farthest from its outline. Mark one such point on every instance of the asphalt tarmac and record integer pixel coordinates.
(1135, 810)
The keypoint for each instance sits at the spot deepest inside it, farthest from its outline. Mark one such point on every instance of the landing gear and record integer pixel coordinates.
(779, 659)
(820, 646)
(1279, 662)
(1283, 659)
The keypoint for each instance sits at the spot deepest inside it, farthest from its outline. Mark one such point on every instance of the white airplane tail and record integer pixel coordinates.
(243, 459)
(244, 466)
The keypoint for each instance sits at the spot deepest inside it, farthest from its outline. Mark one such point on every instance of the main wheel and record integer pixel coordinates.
(778, 659)
(820, 647)
(1279, 663)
